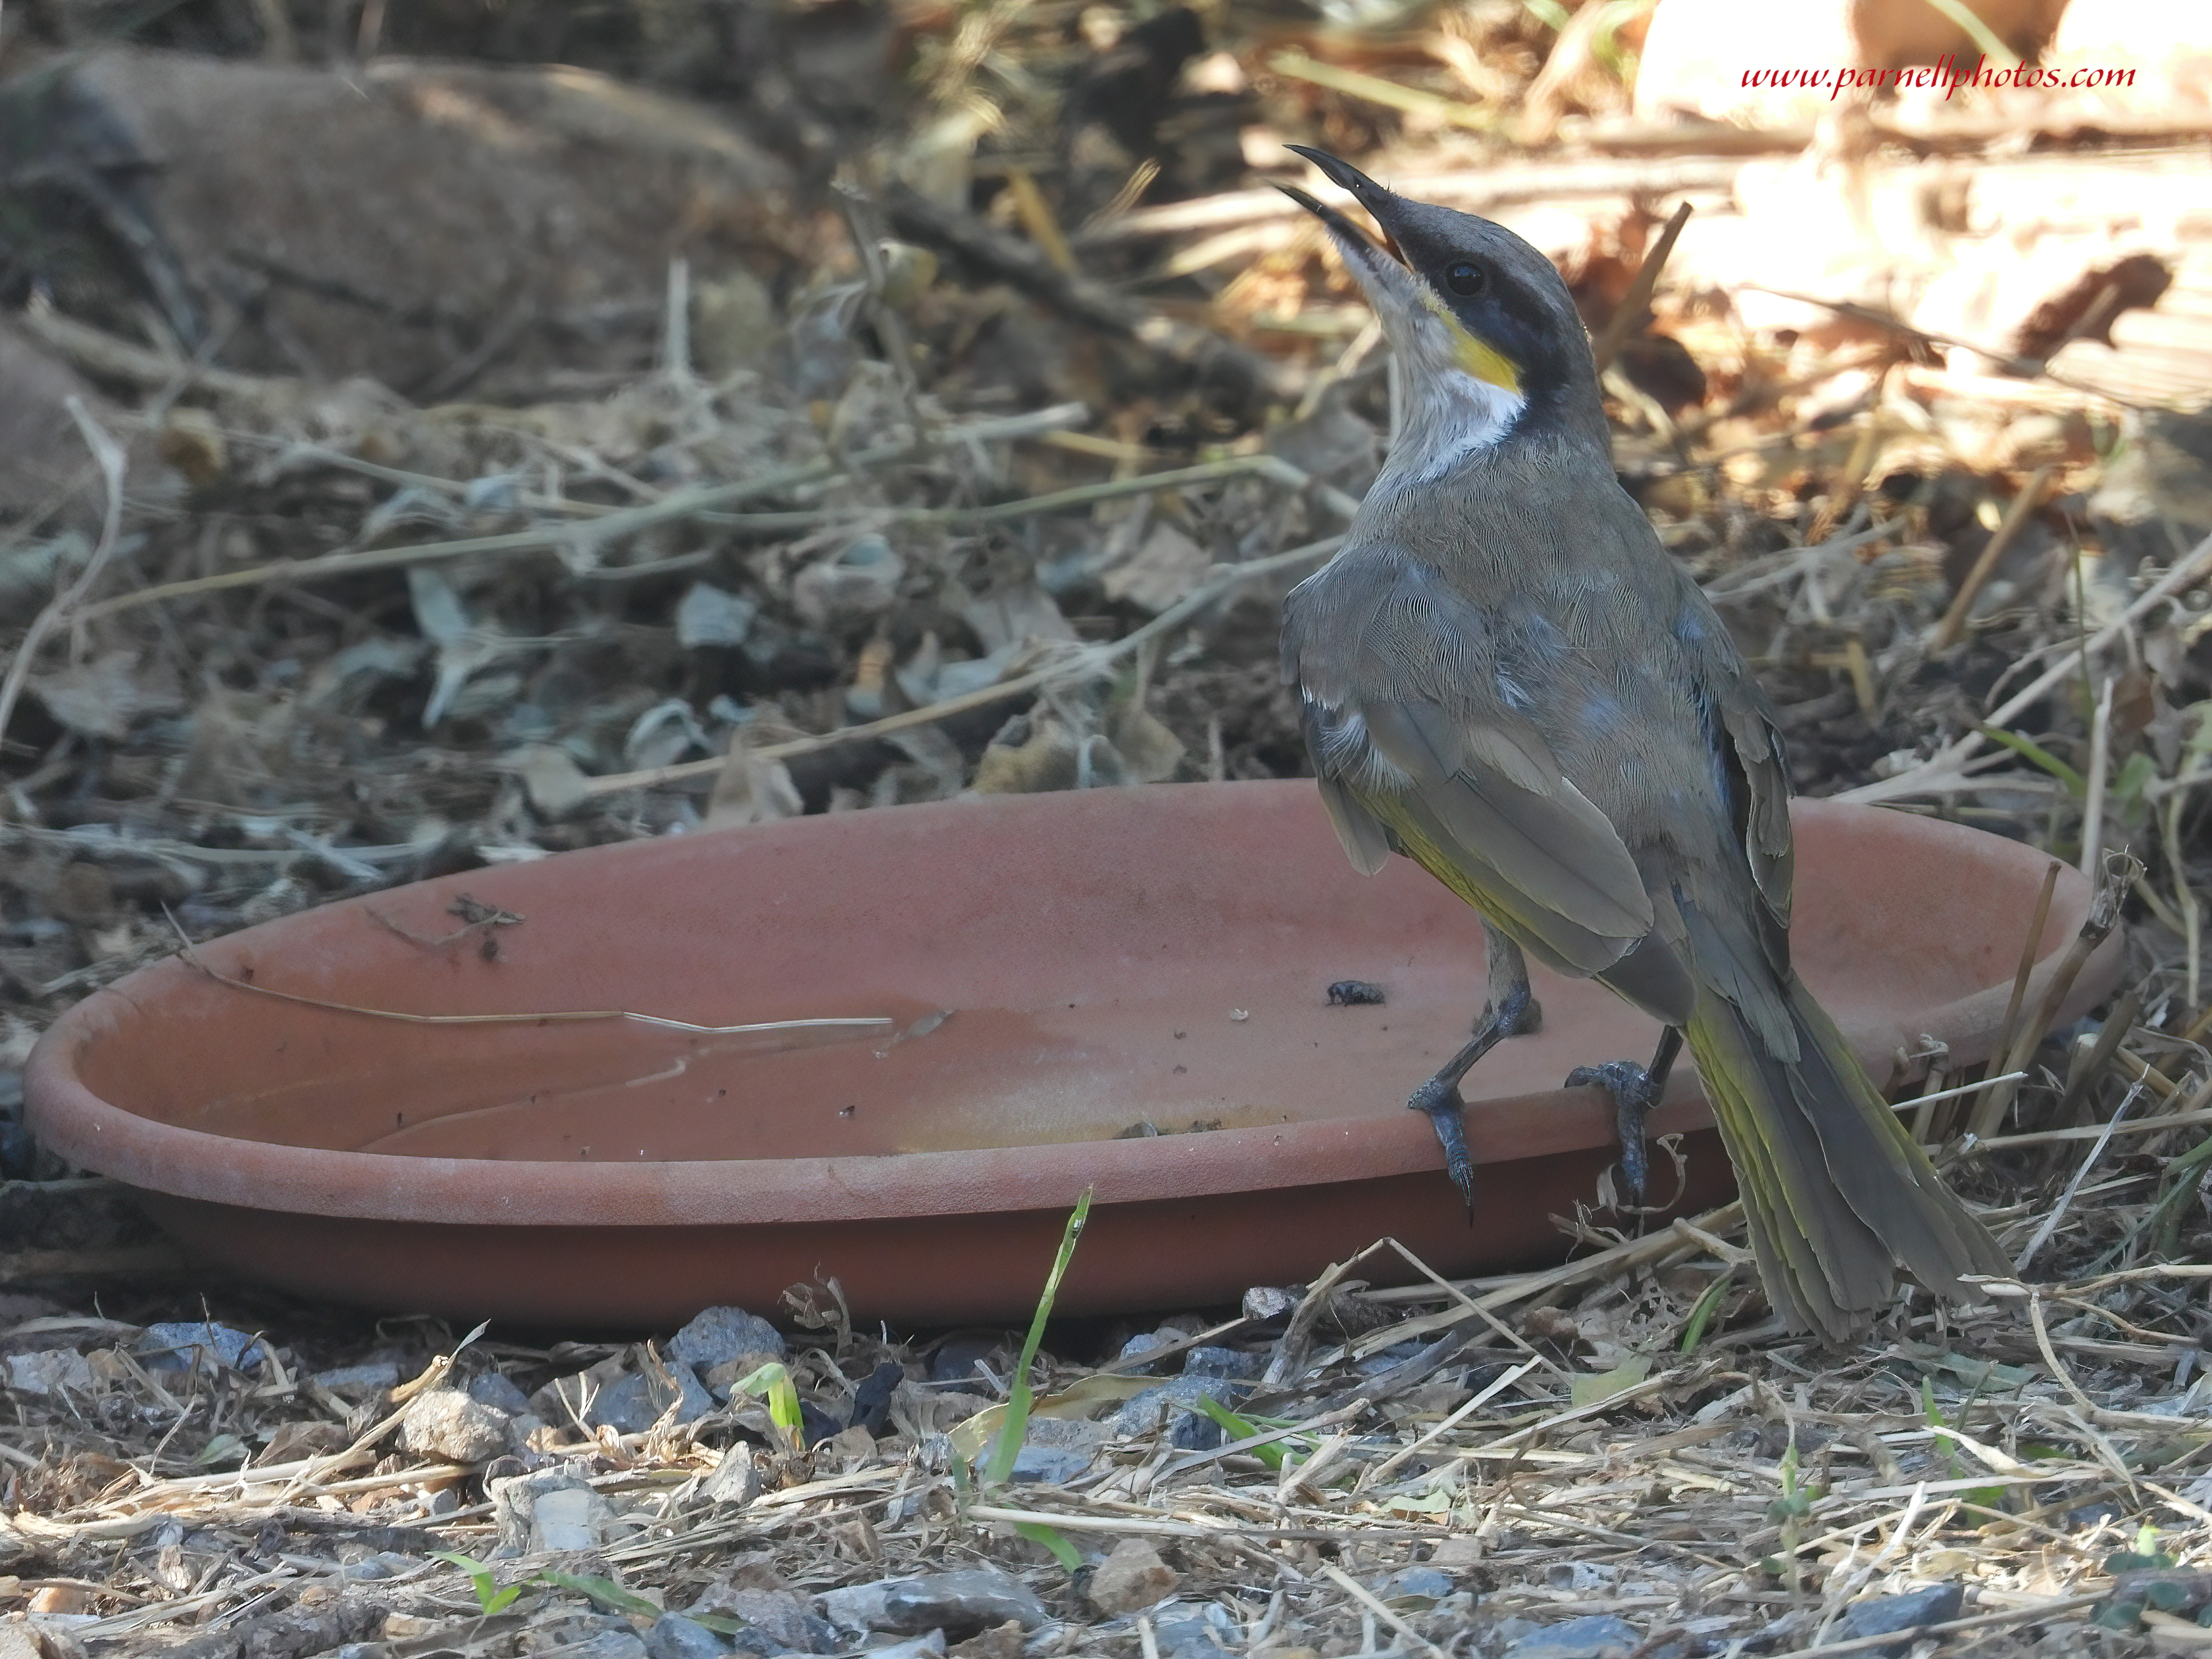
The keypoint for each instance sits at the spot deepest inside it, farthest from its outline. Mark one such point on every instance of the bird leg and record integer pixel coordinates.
(1511, 1011)
(1635, 1091)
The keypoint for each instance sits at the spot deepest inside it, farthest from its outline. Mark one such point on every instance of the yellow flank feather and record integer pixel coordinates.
(1499, 907)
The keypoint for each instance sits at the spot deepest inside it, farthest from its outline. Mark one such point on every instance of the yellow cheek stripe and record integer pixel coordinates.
(1484, 363)
(1477, 358)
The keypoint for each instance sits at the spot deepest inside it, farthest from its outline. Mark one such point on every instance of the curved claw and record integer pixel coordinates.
(1634, 1094)
(1448, 1114)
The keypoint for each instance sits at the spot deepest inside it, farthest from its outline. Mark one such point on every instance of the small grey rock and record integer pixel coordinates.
(1196, 1431)
(735, 1481)
(717, 1336)
(1264, 1302)
(554, 1510)
(1172, 1401)
(1790, 1630)
(1879, 1615)
(498, 1390)
(675, 1636)
(1585, 1577)
(1599, 1636)
(955, 1360)
(359, 1381)
(1071, 1433)
(1418, 1584)
(51, 1370)
(929, 1646)
(449, 1423)
(1050, 1466)
(1143, 1343)
(633, 1403)
(1387, 1359)
(179, 1346)
(385, 1563)
(1232, 1363)
(1504, 1633)
(608, 1644)
(784, 1617)
(967, 1601)
(1194, 1630)
(1131, 1579)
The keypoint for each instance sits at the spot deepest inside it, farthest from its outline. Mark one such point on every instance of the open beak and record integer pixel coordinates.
(1420, 327)
(1391, 288)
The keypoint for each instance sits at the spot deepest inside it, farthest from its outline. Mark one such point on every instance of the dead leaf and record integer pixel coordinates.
(1167, 566)
(556, 784)
(1592, 1386)
(752, 790)
(102, 698)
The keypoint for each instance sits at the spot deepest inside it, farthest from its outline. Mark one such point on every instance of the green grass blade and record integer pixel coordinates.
(490, 1599)
(1701, 1314)
(1239, 1429)
(1017, 1425)
(603, 1592)
(2036, 755)
(774, 1384)
(1062, 1551)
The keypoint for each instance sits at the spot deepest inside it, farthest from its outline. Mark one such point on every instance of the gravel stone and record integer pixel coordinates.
(1173, 1401)
(498, 1390)
(675, 1636)
(633, 1403)
(554, 1510)
(1418, 1584)
(735, 1481)
(1048, 1466)
(1233, 1363)
(178, 1346)
(966, 1600)
(928, 1646)
(360, 1381)
(717, 1336)
(1196, 1630)
(1599, 1636)
(447, 1423)
(51, 1370)
(609, 1644)
(1131, 1578)
(784, 1617)
(1878, 1615)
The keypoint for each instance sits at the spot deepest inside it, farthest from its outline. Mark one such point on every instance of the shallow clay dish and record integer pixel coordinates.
(1113, 959)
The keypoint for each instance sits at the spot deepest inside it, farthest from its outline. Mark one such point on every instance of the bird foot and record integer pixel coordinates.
(1634, 1094)
(1440, 1098)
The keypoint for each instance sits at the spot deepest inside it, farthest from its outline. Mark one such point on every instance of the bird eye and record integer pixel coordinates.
(1465, 279)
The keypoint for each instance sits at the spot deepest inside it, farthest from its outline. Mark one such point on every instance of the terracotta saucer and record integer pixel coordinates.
(1114, 962)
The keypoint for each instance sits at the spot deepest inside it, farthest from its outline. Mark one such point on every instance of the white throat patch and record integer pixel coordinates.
(1447, 417)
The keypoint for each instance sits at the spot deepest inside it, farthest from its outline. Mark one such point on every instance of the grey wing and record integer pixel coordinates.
(1755, 763)
(1410, 754)
(1365, 842)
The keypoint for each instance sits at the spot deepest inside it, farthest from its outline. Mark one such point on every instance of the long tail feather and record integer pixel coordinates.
(1838, 1196)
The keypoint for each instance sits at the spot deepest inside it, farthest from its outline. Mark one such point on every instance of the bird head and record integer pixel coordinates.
(1487, 335)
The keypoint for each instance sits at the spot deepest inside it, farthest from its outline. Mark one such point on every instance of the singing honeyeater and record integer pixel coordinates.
(1505, 678)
